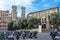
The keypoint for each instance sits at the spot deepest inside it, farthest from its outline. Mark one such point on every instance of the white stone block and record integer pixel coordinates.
(40, 28)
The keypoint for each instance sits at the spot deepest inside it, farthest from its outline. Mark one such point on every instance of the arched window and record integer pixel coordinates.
(44, 20)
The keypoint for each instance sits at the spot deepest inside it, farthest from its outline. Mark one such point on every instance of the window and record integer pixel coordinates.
(43, 20)
(0, 14)
(30, 15)
(51, 11)
(0, 18)
(38, 15)
(44, 13)
(43, 25)
(6, 14)
(56, 10)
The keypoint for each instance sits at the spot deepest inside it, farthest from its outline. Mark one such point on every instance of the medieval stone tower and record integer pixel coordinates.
(23, 12)
(14, 13)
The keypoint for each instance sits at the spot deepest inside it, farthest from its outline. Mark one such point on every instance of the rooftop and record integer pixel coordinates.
(44, 10)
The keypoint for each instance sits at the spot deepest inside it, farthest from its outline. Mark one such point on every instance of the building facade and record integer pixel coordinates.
(44, 15)
(6, 16)
(14, 13)
(23, 12)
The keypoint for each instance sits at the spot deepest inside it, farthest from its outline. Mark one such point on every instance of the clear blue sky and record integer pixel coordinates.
(31, 5)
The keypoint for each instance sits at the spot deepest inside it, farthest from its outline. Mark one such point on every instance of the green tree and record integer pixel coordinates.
(24, 24)
(10, 26)
(58, 22)
(16, 26)
(54, 18)
(32, 22)
(19, 24)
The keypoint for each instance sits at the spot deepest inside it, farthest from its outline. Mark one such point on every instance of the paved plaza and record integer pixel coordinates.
(41, 36)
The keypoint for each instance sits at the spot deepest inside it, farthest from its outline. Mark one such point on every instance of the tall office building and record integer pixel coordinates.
(23, 12)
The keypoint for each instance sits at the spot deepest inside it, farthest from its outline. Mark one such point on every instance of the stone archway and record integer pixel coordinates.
(43, 22)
